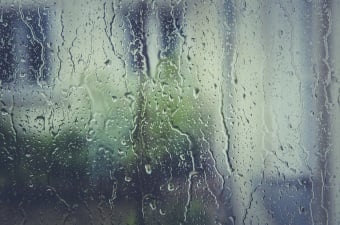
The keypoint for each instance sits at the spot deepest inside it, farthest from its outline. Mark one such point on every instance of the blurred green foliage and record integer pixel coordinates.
(137, 146)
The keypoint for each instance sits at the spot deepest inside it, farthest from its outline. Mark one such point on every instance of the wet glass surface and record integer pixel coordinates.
(169, 112)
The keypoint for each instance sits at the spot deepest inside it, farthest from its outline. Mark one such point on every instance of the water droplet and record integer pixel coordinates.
(171, 187)
(120, 151)
(301, 210)
(280, 33)
(148, 169)
(108, 62)
(114, 98)
(127, 178)
(182, 157)
(4, 112)
(231, 219)
(90, 134)
(161, 212)
(196, 92)
(152, 205)
(123, 142)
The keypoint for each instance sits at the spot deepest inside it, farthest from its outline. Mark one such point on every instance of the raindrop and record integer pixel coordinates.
(114, 98)
(231, 219)
(30, 185)
(123, 142)
(301, 210)
(196, 92)
(127, 179)
(152, 205)
(90, 135)
(148, 169)
(4, 112)
(120, 151)
(182, 157)
(108, 62)
(162, 212)
(280, 33)
(171, 187)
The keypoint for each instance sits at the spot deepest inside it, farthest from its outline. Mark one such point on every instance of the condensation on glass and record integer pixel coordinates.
(169, 112)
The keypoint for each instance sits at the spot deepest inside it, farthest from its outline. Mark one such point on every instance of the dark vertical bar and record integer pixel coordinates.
(24, 45)
(6, 45)
(136, 20)
(169, 19)
(136, 16)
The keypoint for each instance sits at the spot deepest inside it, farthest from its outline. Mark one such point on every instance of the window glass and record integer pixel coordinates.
(169, 112)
